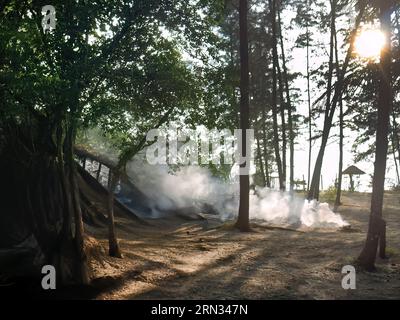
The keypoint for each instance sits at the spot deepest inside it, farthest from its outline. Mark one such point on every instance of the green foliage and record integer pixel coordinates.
(113, 65)
(392, 252)
(395, 187)
(329, 195)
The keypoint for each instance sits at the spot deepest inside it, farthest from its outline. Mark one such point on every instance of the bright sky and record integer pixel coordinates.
(331, 159)
(297, 63)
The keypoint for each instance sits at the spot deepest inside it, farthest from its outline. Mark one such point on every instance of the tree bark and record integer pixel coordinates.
(288, 106)
(341, 137)
(79, 230)
(282, 106)
(82, 271)
(98, 172)
(265, 150)
(309, 106)
(395, 161)
(265, 154)
(315, 182)
(376, 227)
(395, 145)
(261, 164)
(272, 4)
(113, 247)
(340, 170)
(243, 223)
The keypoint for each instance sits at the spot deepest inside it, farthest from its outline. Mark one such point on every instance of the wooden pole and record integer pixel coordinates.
(98, 172)
(322, 183)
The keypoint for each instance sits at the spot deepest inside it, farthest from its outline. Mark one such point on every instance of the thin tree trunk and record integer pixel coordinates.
(275, 95)
(314, 187)
(341, 137)
(309, 107)
(395, 161)
(243, 218)
(288, 105)
(113, 178)
(79, 230)
(113, 247)
(233, 65)
(315, 182)
(261, 164)
(283, 124)
(66, 230)
(395, 144)
(98, 172)
(376, 228)
(82, 272)
(282, 103)
(264, 115)
(340, 175)
(265, 150)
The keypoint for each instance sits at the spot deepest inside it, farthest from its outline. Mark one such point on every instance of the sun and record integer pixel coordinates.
(369, 43)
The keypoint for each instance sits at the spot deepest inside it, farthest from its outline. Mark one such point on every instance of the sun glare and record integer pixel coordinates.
(369, 44)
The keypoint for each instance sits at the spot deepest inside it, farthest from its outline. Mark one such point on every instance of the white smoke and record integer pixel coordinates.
(186, 187)
(282, 208)
(192, 185)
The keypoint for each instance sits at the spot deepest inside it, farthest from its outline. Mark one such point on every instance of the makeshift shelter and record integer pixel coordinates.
(129, 197)
(351, 171)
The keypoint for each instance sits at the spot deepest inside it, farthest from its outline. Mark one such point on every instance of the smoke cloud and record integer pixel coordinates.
(193, 185)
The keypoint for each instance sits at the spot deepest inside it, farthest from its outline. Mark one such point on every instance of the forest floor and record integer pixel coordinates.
(206, 259)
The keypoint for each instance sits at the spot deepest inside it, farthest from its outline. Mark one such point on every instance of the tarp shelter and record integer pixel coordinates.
(351, 171)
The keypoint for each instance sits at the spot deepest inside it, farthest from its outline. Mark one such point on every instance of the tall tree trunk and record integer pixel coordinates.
(315, 182)
(340, 175)
(309, 106)
(265, 149)
(82, 268)
(113, 178)
(275, 95)
(113, 247)
(283, 124)
(282, 103)
(288, 106)
(243, 217)
(376, 228)
(264, 115)
(79, 230)
(261, 164)
(341, 137)
(395, 144)
(395, 160)
(65, 272)
(233, 64)
(313, 192)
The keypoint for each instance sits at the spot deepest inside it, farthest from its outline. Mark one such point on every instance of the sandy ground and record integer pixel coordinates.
(177, 259)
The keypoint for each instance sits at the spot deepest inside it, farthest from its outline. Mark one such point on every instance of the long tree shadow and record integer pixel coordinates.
(218, 280)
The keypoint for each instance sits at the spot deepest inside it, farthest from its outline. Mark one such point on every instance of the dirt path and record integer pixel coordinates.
(204, 260)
